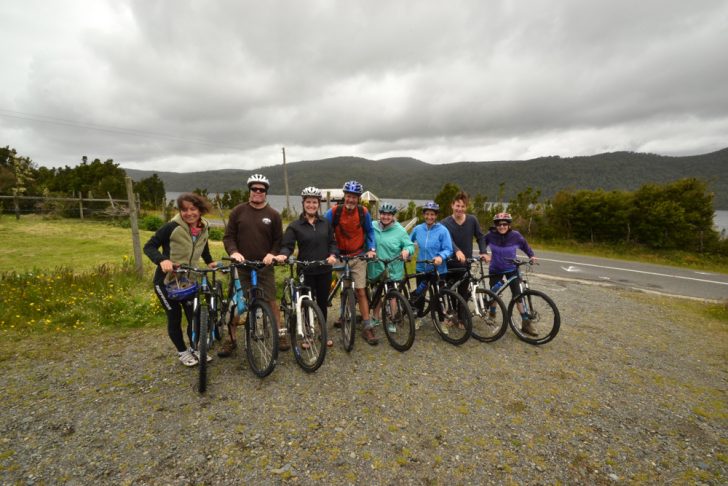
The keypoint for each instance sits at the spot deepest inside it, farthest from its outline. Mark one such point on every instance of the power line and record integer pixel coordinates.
(19, 115)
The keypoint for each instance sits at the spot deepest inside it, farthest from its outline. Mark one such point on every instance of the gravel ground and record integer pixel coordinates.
(632, 390)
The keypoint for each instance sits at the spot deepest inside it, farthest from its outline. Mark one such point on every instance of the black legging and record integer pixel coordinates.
(319, 284)
(173, 309)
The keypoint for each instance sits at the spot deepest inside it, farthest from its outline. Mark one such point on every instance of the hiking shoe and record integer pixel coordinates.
(527, 327)
(490, 319)
(374, 322)
(284, 344)
(369, 337)
(187, 358)
(419, 323)
(197, 356)
(227, 349)
(444, 328)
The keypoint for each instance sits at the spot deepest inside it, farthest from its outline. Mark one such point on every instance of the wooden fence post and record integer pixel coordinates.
(134, 228)
(16, 200)
(80, 203)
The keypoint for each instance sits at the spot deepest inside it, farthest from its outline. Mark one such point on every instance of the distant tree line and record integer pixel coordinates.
(96, 179)
(675, 215)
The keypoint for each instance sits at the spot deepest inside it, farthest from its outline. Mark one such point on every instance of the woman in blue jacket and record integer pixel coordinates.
(434, 243)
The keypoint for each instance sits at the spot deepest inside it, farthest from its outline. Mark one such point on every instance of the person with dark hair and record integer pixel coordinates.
(182, 240)
(463, 228)
(315, 239)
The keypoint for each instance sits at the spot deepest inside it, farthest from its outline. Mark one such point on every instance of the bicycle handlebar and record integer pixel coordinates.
(256, 264)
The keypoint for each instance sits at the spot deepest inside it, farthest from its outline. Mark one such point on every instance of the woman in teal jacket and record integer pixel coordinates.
(392, 240)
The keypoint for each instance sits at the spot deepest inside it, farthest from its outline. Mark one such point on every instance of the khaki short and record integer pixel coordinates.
(266, 281)
(358, 273)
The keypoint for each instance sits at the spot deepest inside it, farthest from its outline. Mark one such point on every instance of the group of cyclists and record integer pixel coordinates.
(255, 232)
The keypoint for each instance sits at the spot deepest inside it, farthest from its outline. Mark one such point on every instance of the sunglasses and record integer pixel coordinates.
(258, 189)
(503, 224)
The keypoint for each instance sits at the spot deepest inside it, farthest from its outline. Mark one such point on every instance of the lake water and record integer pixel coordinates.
(720, 220)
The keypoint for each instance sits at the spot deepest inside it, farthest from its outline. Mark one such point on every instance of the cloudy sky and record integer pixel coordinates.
(185, 85)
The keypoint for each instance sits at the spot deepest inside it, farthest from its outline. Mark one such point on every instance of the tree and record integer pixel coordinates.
(151, 191)
(445, 197)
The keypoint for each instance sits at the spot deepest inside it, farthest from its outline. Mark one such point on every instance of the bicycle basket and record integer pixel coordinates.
(181, 289)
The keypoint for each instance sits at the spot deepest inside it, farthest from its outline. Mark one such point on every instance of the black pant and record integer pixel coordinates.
(319, 284)
(173, 309)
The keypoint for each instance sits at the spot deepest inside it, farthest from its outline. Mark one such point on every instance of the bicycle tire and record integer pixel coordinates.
(202, 343)
(348, 318)
(486, 328)
(313, 327)
(543, 314)
(261, 339)
(451, 317)
(401, 318)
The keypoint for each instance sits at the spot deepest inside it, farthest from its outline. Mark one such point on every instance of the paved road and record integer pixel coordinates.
(643, 276)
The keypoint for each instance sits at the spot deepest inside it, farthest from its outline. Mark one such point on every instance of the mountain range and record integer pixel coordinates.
(405, 178)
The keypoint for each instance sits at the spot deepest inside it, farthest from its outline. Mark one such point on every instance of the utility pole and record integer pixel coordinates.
(285, 181)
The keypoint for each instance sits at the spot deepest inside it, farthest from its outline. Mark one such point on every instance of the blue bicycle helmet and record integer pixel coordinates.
(181, 289)
(353, 187)
(432, 206)
(386, 207)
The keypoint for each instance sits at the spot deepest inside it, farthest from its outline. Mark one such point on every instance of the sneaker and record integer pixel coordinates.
(391, 328)
(337, 323)
(527, 327)
(187, 358)
(375, 322)
(369, 336)
(197, 356)
(284, 344)
(490, 319)
(227, 349)
(445, 325)
(419, 323)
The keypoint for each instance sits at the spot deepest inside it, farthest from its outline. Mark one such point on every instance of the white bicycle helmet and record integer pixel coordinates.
(260, 179)
(311, 191)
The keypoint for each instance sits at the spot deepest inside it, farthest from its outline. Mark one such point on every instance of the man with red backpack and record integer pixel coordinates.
(355, 236)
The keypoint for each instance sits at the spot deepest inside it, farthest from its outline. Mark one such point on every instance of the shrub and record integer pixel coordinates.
(150, 223)
(216, 234)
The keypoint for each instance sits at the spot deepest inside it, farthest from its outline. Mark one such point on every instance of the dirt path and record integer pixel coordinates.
(634, 389)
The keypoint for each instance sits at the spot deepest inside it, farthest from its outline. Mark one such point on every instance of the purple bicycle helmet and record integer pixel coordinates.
(432, 206)
(353, 187)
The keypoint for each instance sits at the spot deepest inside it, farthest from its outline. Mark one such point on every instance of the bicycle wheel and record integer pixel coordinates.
(487, 327)
(348, 318)
(202, 344)
(451, 316)
(398, 321)
(309, 347)
(543, 318)
(261, 339)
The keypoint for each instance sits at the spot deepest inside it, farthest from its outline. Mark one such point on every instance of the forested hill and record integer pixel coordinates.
(411, 178)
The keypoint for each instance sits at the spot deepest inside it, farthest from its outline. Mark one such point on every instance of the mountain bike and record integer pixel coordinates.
(205, 315)
(396, 314)
(448, 310)
(344, 282)
(533, 305)
(487, 326)
(303, 318)
(261, 334)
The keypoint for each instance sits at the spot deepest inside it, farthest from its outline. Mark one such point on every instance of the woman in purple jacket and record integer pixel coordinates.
(503, 242)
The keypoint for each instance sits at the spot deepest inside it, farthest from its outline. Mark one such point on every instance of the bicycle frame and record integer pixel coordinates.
(299, 291)
(473, 284)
